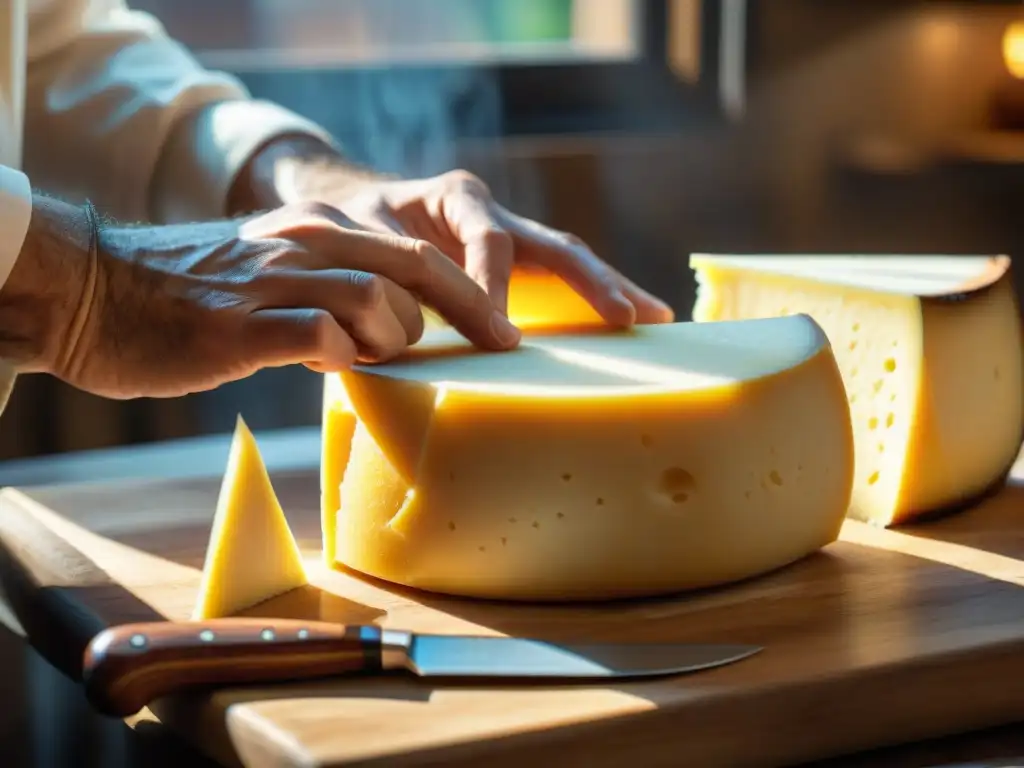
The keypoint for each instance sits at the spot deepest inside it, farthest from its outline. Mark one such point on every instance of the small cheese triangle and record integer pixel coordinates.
(252, 555)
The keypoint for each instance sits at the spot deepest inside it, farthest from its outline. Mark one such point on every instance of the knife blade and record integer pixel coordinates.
(127, 667)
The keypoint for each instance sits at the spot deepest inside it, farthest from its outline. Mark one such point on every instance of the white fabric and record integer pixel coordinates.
(210, 146)
(15, 213)
(96, 100)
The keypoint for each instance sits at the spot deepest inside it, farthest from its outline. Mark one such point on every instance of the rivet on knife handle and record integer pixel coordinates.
(127, 667)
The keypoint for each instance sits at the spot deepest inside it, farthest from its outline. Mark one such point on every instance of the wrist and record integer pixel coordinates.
(293, 169)
(44, 292)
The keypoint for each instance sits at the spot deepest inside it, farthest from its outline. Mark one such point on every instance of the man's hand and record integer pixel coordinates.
(456, 213)
(164, 311)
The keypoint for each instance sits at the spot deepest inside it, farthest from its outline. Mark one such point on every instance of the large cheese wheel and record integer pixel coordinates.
(592, 465)
(930, 352)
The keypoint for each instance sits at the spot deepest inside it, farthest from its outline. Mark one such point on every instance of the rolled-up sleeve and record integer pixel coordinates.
(119, 112)
(15, 216)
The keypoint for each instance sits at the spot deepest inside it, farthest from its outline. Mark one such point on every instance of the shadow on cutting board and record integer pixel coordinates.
(180, 527)
(871, 577)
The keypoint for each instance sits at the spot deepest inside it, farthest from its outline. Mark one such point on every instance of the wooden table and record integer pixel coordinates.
(47, 723)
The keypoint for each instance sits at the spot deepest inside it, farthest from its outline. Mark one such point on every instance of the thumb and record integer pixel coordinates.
(278, 337)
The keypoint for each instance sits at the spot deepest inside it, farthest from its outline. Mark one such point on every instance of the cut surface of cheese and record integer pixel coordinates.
(930, 352)
(339, 423)
(589, 466)
(539, 302)
(252, 555)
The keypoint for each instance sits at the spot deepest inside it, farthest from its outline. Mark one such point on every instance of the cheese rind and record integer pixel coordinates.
(252, 555)
(930, 352)
(595, 466)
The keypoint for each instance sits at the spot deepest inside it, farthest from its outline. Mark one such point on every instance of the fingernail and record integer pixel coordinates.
(503, 329)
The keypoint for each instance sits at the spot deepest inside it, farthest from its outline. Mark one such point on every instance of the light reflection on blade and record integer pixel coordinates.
(443, 656)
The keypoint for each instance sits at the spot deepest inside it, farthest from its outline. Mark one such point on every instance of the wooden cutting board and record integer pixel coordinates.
(882, 638)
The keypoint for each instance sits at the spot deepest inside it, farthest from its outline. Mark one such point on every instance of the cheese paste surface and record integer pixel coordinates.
(589, 466)
(252, 555)
(930, 354)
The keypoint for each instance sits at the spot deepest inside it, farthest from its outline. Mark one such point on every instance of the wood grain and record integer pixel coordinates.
(884, 637)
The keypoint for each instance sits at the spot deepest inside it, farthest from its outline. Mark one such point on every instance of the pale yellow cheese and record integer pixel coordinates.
(252, 555)
(339, 423)
(930, 352)
(539, 302)
(589, 466)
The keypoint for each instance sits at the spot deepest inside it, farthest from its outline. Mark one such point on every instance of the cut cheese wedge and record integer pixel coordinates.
(252, 555)
(930, 351)
(589, 466)
(539, 302)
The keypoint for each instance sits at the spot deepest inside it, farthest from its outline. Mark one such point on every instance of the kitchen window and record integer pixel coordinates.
(549, 66)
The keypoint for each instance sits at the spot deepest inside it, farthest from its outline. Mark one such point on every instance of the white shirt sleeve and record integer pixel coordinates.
(205, 153)
(15, 215)
(119, 112)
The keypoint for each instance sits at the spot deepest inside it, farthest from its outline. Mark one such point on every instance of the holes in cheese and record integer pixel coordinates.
(919, 341)
(591, 466)
(252, 555)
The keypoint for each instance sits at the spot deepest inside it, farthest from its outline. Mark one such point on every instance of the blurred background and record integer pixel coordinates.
(651, 128)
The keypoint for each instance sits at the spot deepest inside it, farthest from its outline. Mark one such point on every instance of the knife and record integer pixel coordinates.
(127, 667)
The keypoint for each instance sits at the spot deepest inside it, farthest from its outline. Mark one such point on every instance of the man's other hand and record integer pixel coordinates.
(456, 213)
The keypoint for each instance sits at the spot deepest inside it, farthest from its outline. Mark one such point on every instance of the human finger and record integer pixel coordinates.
(488, 249)
(276, 337)
(439, 282)
(359, 301)
(650, 310)
(379, 218)
(407, 309)
(572, 260)
(294, 220)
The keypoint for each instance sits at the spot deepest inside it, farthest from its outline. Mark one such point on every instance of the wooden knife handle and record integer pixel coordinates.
(127, 667)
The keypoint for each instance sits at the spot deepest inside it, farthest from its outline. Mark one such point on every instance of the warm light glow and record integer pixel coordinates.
(989, 564)
(539, 300)
(939, 38)
(1013, 49)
